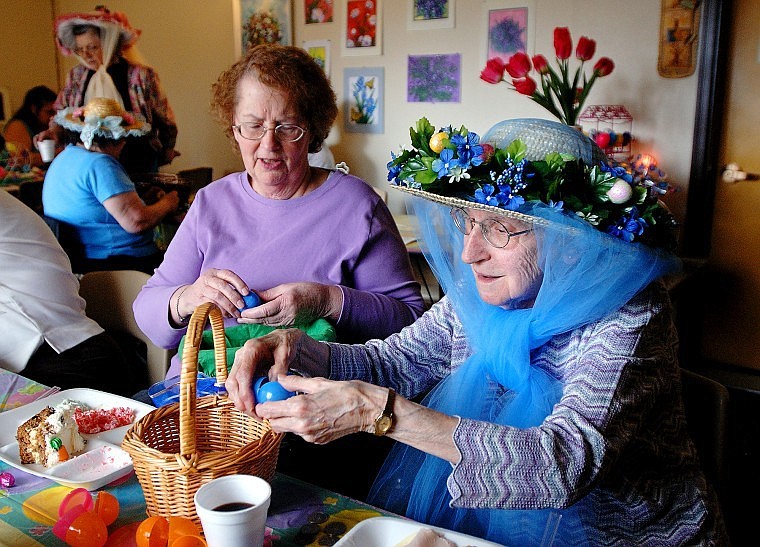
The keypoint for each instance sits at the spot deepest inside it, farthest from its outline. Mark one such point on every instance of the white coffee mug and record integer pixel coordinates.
(47, 150)
(233, 510)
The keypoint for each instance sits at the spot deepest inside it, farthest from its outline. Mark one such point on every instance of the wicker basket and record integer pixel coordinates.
(180, 447)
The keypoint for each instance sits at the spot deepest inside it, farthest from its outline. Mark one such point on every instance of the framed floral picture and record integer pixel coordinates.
(363, 91)
(509, 29)
(262, 21)
(362, 28)
(433, 78)
(318, 11)
(320, 52)
(430, 14)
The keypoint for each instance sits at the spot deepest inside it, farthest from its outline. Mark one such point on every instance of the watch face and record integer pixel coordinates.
(383, 424)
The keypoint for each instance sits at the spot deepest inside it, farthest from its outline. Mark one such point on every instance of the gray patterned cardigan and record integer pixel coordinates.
(618, 433)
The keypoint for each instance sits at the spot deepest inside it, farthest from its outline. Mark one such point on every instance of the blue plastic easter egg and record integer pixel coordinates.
(266, 391)
(251, 301)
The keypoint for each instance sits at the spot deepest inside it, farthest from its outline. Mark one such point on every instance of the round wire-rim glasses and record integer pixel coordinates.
(285, 132)
(494, 232)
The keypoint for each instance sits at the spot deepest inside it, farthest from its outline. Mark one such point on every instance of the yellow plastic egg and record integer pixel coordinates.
(438, 142)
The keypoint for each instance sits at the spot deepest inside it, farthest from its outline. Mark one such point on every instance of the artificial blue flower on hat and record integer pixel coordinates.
(528, 161)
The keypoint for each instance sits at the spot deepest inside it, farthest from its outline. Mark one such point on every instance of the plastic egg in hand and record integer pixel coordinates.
(266, 391)
(251, 301)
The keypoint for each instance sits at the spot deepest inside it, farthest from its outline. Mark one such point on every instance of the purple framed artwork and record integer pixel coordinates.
(507, 32)
(434, 78)
(430, 14)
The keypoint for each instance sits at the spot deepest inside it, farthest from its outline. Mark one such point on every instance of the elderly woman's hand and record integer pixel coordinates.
(296, 304)
(274, 355)
(220, 287)
(324, 410)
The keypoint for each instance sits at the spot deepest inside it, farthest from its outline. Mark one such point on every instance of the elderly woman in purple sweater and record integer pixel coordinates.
(553, 413)
(309, 242)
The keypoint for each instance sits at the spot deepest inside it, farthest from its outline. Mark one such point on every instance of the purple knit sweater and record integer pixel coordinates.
(617, 435)
(342, 233)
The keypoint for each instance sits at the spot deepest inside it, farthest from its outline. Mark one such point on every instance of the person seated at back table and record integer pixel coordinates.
(33, 117)
(46, 335)
(88, 188)
(310, 242)
(555, 413)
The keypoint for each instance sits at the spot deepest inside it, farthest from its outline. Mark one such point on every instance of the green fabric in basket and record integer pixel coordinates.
(235, 337)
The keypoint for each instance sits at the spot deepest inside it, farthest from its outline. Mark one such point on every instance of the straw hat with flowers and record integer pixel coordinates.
(523, 162)
(102, 117)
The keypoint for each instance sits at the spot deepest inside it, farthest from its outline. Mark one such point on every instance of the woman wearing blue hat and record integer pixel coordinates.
(554, 413)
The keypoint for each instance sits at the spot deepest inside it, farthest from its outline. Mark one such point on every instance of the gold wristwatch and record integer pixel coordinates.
(384, 422)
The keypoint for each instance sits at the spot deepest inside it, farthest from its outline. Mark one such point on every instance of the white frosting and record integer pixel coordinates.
(63, 426)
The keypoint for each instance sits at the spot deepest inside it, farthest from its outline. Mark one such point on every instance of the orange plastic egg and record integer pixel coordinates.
(181, 526)
(87, 530)
(107, 506)
(61, 527)
(189, 541)
(152, 532)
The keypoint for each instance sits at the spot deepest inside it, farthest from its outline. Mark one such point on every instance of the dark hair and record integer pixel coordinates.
(289, 70)
(36, 98)
(78, 30)
(74, 137)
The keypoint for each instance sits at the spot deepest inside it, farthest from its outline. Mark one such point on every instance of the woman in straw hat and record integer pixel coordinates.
(110, 66)
(554, 413)
(87, 187)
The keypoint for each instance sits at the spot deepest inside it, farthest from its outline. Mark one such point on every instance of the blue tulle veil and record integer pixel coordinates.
(586, 276)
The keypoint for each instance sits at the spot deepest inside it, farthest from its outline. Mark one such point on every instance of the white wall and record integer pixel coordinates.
(663, 109)
(191, 42)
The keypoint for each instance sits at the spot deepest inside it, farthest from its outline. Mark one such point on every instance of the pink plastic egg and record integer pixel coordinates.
(602, 139)
(77, 497)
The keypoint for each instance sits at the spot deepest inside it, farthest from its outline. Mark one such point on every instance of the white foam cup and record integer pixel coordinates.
(47, 150)
(243, 527)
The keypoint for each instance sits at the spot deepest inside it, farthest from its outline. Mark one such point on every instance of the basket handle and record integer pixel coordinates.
(189, 374)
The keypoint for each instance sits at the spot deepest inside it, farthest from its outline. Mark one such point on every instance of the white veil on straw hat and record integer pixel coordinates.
(115, 31)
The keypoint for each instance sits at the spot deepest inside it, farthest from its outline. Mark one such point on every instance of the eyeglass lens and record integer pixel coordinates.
(87, 49)
(494, 232)
(255, 131)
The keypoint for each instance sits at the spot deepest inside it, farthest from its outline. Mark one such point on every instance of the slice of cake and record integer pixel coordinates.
(50, 436)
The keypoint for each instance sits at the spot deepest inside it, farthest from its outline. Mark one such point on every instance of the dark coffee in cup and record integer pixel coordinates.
(233, 506)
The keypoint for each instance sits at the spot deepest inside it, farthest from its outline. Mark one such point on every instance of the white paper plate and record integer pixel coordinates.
(391, 531)
(103, 460)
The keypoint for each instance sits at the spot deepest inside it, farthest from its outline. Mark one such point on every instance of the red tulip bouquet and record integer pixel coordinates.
(559, 94)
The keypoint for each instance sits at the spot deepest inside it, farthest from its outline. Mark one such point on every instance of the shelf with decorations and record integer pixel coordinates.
(609, 125)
